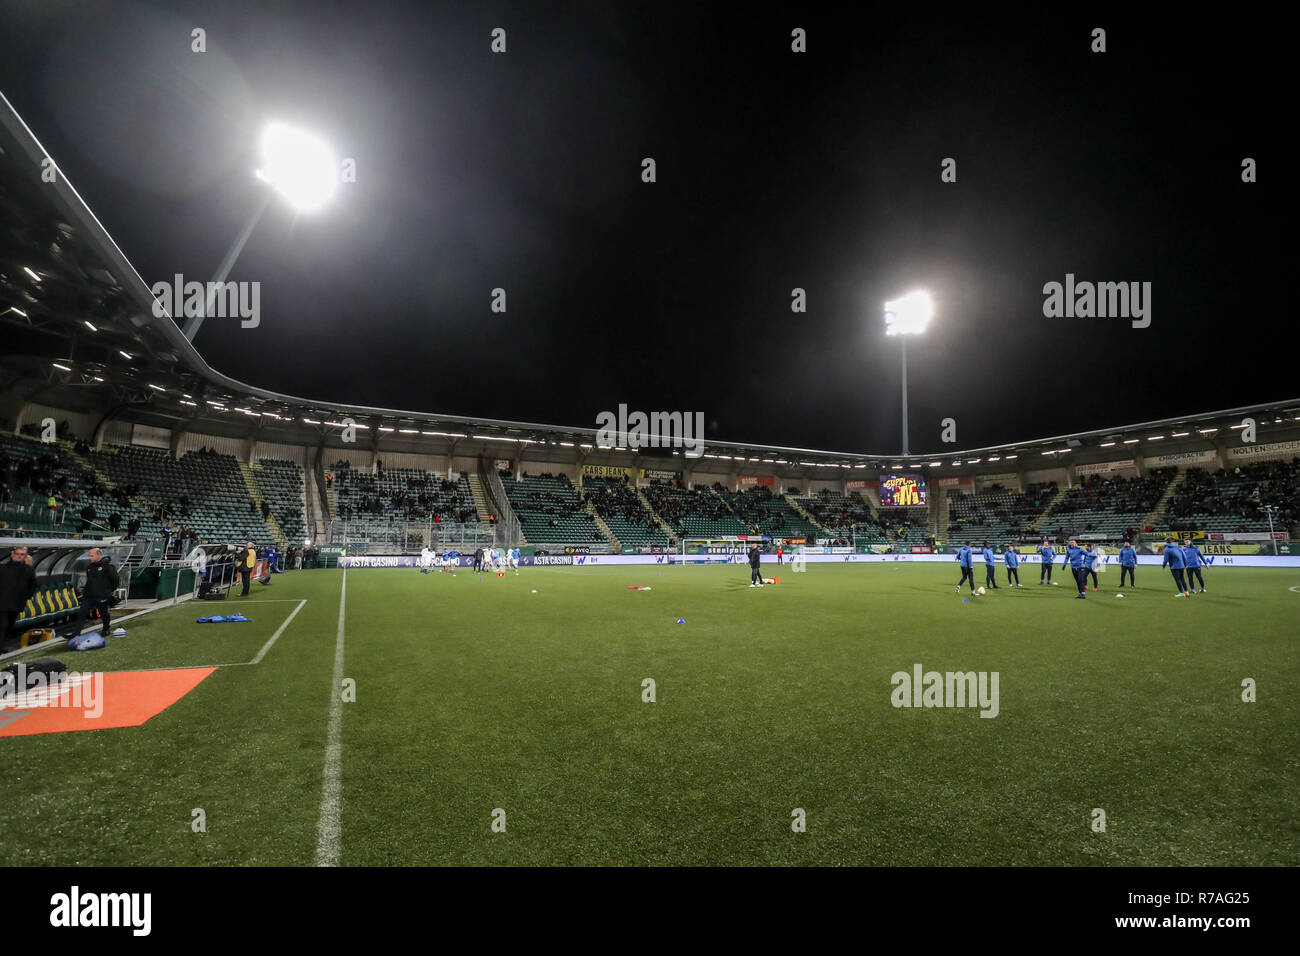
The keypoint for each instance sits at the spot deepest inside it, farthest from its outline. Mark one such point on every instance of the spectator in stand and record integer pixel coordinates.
(132, 528)
(114, 522)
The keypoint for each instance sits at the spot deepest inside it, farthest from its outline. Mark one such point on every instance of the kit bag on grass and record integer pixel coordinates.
(48, 666)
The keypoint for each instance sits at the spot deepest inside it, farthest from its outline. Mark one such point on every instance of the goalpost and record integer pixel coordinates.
(733, 550)
(724, 550)
(798, 559)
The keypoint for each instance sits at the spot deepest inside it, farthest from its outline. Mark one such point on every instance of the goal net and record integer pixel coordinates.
(731, 550)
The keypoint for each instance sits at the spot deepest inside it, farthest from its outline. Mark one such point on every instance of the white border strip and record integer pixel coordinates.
(329, 826)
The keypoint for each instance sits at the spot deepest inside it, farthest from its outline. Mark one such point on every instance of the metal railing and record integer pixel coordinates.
(409, 537)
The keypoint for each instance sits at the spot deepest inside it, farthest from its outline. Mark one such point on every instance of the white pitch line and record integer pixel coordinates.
(329, 825)
(276, 636)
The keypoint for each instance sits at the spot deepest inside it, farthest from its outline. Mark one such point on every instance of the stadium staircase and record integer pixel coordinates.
(749, 528)
(481, 502)
(941, 517)
(600, 523)
(257, 494)
(1046, 513)
(663, 525)
(799, 510)
(1158, 512)
(68, 448)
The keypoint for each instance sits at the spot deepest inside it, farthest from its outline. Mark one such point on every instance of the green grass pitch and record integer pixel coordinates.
(474, 693)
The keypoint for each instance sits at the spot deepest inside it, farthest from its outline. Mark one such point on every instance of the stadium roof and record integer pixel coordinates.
(80, 333)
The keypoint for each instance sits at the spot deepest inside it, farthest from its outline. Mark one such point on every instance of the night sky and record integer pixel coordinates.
(775, 170)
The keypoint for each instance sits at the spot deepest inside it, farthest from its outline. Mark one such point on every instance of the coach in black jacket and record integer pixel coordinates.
(17, 585)
(101, 582)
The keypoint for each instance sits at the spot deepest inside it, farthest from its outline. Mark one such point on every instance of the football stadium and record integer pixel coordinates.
(246, 627)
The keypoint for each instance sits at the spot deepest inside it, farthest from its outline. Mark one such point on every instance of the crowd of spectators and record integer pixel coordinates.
(1242, 494)
(400, 493)
(614, 497)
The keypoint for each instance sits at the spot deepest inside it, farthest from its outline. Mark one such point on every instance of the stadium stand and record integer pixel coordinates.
(695, 512)
(845, 517)
(35, 471)
(1103, 505)
(281, 483)
(996, 512)
(202, 489)
(550, 511)
(402, 494)
(621, 509)
(1235, 501)
(766, 513)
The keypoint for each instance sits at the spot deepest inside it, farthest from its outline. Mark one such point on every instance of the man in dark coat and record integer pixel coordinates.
(17, 585)
(101, 582)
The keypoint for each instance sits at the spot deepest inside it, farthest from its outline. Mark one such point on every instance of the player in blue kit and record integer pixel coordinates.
(1046, 558)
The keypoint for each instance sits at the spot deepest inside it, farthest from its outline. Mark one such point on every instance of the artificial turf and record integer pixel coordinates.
(476, 693)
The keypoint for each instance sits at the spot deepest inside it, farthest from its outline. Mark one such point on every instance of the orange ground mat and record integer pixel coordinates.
(97, 701)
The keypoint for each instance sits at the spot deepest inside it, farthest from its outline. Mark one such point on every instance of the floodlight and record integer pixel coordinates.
(903, 317)
(908, 315)
(300, 167)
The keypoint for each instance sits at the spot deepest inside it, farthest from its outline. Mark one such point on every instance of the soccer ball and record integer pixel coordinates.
(980, 592)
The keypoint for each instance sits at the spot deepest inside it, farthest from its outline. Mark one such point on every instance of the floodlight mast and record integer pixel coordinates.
(299, 167)
(903, 317)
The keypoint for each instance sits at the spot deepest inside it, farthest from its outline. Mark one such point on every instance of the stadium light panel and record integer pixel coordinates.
(1181, 434)
(1010, 457)
(1107, 444)
(125, 355)
(14, 308)
(908, 315)
(31, 273)
(89, 325)
(300, 167)
(1156, 438)
(64, 367)
(1131, 441)
(933, 464)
